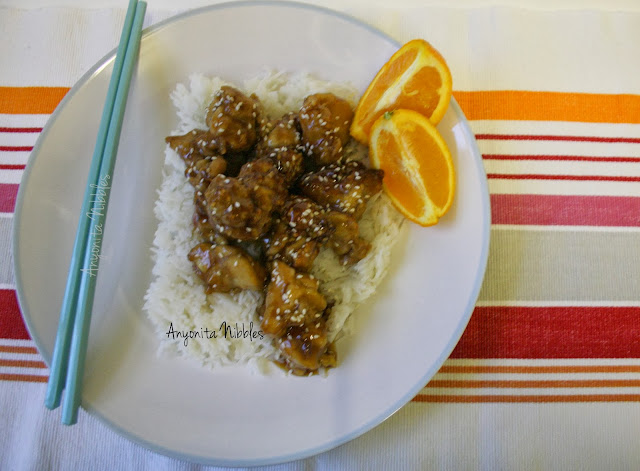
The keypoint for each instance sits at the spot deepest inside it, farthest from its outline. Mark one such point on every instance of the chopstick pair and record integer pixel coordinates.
(67, 365)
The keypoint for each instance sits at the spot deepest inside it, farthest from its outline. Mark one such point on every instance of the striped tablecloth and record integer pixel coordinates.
(547, 374)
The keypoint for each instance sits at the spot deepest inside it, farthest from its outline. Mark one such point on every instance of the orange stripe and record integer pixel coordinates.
(23, 363)
(508, 399)
(569, 383)
(24, 378)
(496, 104)
(542, 369)
(30, 100)
(549, 106)
(12, 349)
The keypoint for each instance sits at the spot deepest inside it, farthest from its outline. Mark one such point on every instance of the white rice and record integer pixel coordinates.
(176, 295)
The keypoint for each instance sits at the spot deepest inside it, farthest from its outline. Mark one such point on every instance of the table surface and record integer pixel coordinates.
(547, 373)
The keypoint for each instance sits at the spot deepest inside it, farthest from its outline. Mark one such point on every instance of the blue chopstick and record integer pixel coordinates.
(58, 369)
(75, 315)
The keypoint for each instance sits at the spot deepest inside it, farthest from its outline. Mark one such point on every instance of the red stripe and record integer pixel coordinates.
(11, 324)
(12, 167)
(20, 129)
(501, 398)
(555, 210)
(536, 176)
(551, 332)
(16, 148)
(17, 349)
(582, 158)
(22, 363)
(8, 195)
(540, 137)
(23, 378)
(526, 383)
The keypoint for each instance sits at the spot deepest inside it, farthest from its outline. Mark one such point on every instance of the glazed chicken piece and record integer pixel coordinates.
(200, 145)
(202, 172)
(297, 234)
(200, 175)
(225, 268)
(289, 162)
(306, 349)
(234, 120)
(346, 188)
(295, 313)
(283, 132)
(345, 238)
(281, 143)
(241, 208)
(292, 299)
(325, 120)
(193, 146)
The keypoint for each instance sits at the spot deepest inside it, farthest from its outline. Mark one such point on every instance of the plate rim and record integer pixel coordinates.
(372, 422)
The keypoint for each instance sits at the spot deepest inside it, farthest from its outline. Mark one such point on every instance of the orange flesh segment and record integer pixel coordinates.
(419, 174)
(385, 81)
(412, 98)
(432, 170)
(396, 179)
(416, 77)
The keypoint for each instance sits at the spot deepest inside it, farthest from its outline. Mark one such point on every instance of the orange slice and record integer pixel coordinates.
(418, 170)
(416, 77)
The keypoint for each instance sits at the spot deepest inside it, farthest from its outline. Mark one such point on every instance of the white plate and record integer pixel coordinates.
(232, 418)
